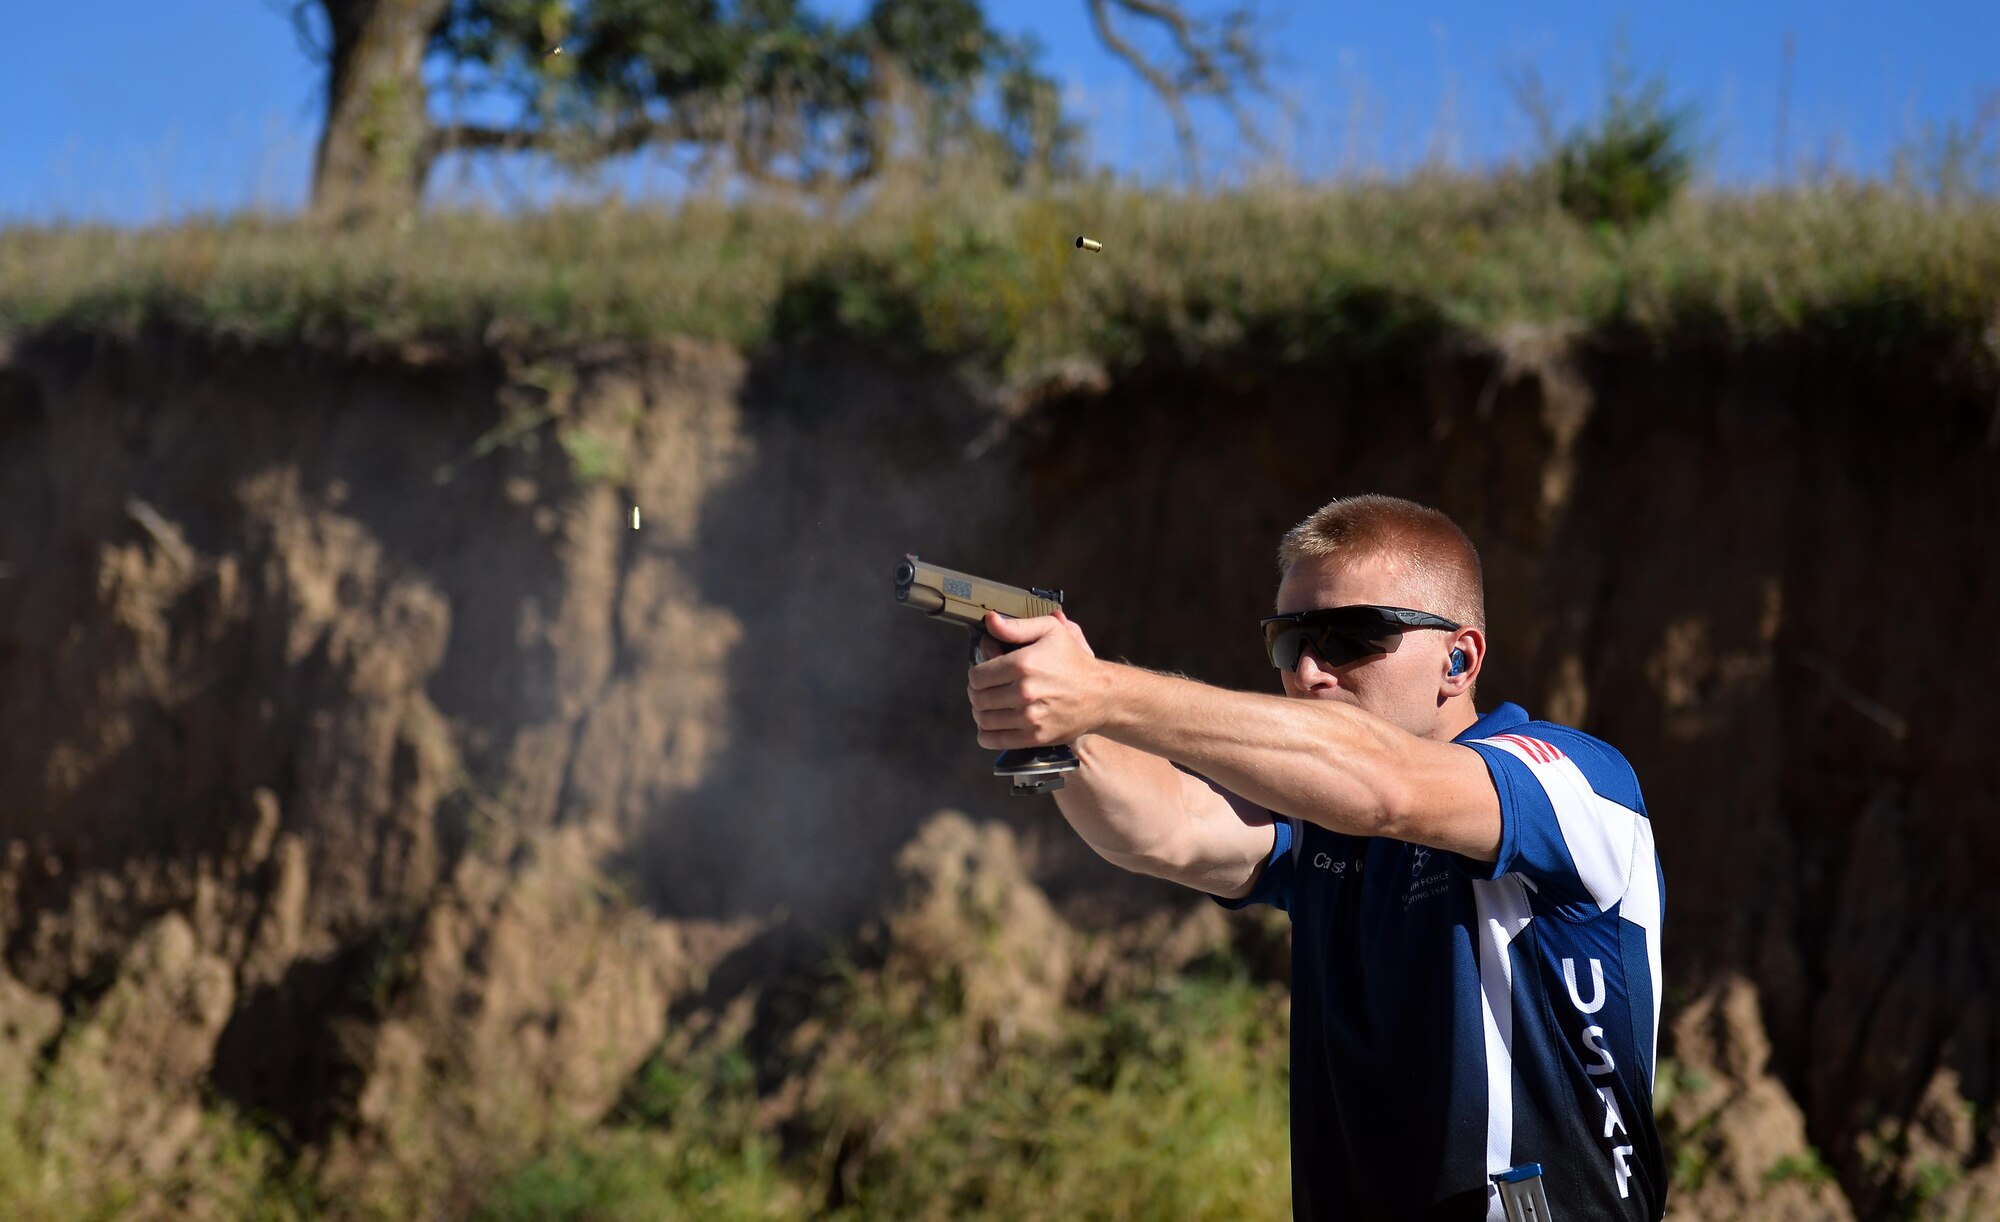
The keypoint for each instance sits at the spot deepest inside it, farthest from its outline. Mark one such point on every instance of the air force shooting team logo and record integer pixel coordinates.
(1422, 886)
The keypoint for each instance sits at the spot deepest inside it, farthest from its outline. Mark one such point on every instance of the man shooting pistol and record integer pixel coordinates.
(965, 600)
(1475, 897)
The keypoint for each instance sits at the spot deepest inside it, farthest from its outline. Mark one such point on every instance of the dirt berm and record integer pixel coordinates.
(356, 754)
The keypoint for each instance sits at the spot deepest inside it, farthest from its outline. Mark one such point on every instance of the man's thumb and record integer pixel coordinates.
(1012, 631)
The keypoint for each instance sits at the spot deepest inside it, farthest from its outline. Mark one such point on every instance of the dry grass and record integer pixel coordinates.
(991, 279)
(1168, 1103)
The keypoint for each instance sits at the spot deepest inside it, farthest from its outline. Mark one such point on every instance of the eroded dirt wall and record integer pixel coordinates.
(342, 695)
(337, 694)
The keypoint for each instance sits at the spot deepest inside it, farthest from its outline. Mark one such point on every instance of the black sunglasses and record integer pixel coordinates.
(1341, 634)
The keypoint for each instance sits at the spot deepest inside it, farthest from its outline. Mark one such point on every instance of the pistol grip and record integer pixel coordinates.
(978, 632)
(1033, 770)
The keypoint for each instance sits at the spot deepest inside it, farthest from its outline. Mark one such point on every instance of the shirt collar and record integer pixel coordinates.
(1499, 721)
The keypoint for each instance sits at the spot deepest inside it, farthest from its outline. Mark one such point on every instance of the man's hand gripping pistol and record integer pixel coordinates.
(962, 599)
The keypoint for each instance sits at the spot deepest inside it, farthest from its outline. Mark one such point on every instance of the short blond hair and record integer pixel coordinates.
(1440, 559)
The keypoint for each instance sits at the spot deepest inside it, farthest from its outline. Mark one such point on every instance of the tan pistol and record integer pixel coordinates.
(959, 598)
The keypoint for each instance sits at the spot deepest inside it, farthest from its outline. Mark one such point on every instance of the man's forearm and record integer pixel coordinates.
(1321, 761)
(1139, 812)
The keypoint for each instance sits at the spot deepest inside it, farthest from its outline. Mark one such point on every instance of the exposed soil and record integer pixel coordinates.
(358, 753)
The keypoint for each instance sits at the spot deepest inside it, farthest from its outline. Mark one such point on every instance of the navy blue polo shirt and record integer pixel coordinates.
(1453, 1018)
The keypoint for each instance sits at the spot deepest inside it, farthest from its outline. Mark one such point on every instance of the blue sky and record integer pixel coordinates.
(137, 110)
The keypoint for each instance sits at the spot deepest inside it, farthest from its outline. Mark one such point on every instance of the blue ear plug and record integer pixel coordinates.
(1457, 662)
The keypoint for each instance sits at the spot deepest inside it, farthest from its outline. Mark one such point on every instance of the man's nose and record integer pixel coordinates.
(1311, 670)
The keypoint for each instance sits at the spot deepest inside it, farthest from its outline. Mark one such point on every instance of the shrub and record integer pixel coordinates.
(1633, 163)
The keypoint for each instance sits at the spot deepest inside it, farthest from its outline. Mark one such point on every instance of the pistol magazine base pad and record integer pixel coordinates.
(1035, 770)
(1522, 1197)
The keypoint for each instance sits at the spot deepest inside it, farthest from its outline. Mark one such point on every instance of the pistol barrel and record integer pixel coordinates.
(962, 598)
(922, 598)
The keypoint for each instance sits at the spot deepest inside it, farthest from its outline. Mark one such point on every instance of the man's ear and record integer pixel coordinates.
(1464, 656)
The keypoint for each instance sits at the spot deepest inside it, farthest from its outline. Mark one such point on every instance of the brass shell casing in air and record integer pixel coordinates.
(1083, 243)
(961, 598)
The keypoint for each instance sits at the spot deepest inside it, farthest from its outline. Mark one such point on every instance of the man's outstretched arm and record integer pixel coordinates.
(1139, 812)
(1328, 763)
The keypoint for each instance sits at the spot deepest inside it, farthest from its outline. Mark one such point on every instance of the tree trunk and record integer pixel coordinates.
(375, 150)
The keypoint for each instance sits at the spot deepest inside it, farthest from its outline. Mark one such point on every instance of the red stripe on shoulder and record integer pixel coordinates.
(1538, 750)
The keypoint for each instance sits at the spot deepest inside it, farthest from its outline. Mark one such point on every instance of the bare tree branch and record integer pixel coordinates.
(1162, 84)
(478, 138)
(750, 157)
(299, 13)
(1218, 60)
(626, 137)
